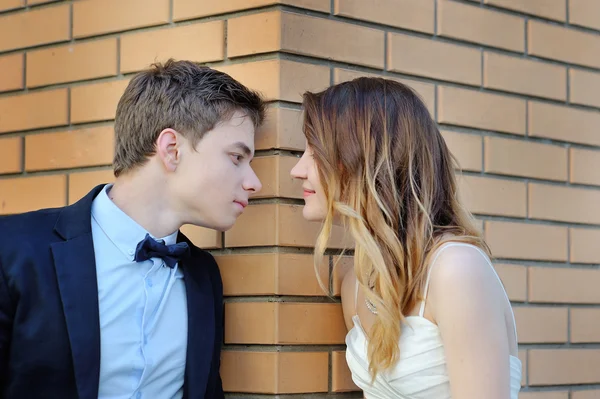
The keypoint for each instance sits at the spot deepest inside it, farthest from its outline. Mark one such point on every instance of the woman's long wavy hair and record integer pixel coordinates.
(389, 177)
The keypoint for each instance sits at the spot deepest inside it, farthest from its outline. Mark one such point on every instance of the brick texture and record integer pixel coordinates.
(95, 17)
(433, 59)
(34, 28)
(11, 155)
(405, 14)
(528, 159)
(479, 25)
(22, 194)
(583, 245)
(563, 44)
(563, 123)
(492, 196)
(33, 110)
(73, 149)
(512, 84)
(481, 110)
(88, 60)
(548, 202)
(198, 42)
(523, 76)
(6, 5)
(12, 67)
(584, 87)
(260, 33)
(274, 372)
(188, 9)
(584, 13)
(541, 324)
(551, 9)
(97, 101)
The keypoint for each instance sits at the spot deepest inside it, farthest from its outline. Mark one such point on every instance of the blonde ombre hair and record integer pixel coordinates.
(389, 177)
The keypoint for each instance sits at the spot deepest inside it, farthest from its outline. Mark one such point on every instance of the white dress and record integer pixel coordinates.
(421, 371)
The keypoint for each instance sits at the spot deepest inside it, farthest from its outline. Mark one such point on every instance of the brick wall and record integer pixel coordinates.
(514, 85)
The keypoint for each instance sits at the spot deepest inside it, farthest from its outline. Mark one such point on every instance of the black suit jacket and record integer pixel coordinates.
(49, 318)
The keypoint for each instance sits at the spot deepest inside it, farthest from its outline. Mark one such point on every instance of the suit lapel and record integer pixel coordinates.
(76, 273)
(201, 326)
(75, 266)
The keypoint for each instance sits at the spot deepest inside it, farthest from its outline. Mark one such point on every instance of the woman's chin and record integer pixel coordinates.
(312, 215)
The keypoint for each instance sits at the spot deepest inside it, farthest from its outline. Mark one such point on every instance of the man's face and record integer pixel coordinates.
(214, 180)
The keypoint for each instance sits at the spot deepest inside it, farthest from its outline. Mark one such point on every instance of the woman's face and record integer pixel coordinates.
(315, 202)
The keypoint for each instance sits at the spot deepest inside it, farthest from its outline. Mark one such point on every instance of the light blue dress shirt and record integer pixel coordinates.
(143, 311)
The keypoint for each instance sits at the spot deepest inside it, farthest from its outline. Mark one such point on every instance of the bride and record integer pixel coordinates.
(427, 314)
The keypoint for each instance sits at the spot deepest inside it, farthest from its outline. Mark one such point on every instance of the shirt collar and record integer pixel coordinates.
(120, 228)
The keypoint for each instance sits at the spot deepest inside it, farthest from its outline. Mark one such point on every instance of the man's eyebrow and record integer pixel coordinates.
(245, 149)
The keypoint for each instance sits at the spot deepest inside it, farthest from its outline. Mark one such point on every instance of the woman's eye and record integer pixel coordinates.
(236, 158)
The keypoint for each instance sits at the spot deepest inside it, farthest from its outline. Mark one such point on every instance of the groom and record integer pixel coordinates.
(105, 298)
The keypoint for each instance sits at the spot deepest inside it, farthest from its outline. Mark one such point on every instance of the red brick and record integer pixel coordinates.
(33, 110)
(34, 27)
(524, 76)
(563, 366)
(280, 79)
(6, 5)
(82, 182)
(189, 9)
(479, 25)
(274, 372)
(551, 9)
(11, 155)
(200, 42)
(541, 324)
(563, 285)
(95, 17)
(585, 13)
(433, 59)
(68, 63)
(69, 149)
(300, 34)
(563, 44)
(405, 14)
(96, 101)
(525, 158)
(526, 241)
(32, 193)
(549, 202)
(284, 323)
(584, 87)
(584, 245)
(12, 67)
(481, 110)
(564, 123)
(491, 196)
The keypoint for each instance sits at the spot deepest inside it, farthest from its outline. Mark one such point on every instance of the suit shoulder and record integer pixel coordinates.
(24, 227)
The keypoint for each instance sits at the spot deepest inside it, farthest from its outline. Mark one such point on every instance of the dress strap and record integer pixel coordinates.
(356, 298)
(488, 261)
(431, 264)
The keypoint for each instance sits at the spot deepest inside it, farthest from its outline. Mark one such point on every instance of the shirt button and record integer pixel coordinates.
(149, 283)
(131, 252)
(138, 395)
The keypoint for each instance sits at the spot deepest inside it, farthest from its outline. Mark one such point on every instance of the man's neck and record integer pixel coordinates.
(146, 204)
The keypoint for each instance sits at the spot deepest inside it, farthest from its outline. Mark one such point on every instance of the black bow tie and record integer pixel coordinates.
(151, 248)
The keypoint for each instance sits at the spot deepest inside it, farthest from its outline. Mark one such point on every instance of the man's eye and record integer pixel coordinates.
(237, 157)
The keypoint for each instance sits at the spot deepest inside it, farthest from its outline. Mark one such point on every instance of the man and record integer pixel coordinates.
(106, 298)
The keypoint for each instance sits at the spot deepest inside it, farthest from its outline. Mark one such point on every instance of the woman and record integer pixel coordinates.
(427, 314)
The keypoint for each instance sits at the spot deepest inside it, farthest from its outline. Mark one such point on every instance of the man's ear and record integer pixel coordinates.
(168, 149)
